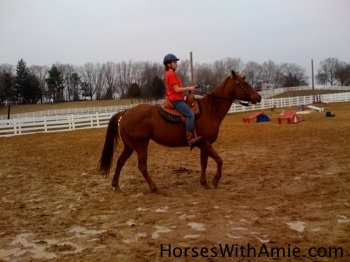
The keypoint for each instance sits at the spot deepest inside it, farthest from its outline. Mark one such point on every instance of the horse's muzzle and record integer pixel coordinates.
(255, 99)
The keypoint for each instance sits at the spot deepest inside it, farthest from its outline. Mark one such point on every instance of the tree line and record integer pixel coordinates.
(144, 80)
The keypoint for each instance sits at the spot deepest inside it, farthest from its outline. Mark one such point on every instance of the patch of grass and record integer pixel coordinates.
(18, 109)
(307, 93)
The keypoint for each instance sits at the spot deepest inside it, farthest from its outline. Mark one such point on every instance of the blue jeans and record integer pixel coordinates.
(183, 108)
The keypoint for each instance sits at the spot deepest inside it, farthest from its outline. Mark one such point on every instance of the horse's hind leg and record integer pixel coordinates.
(127, 152)
(142, 165)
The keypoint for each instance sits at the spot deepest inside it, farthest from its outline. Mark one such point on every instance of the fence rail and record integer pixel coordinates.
(69, 111)
(108, 109)
(20, 126)
(97, 119)
(277, 91)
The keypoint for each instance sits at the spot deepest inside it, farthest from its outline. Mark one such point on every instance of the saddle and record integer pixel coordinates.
(169, 112)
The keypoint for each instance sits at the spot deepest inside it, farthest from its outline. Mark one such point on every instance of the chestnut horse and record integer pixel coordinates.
(138, 125)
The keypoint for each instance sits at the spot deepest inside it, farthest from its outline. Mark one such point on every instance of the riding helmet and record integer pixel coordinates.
(169, 58)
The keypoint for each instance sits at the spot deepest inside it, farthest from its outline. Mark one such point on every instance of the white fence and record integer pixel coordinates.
(277, 91)
(66, 122)
(69, 111)
(57, 123)
(110, 109)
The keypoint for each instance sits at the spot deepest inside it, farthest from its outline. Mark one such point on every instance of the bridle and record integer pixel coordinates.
(229, 99)
(244, 89)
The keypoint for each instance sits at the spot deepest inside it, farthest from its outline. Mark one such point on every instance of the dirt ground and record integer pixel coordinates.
(285, 188)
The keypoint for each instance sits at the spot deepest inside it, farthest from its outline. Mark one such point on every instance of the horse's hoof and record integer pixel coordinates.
(215, 183)
(116, 189)
(155, 190)
(205, 185)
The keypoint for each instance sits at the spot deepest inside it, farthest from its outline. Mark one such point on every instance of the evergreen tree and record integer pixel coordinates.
(85, 89)
(55, 84)
(31, 91)
(74, 83)
(158, 88)
(20, 80)
(134, 91)
(6, 87)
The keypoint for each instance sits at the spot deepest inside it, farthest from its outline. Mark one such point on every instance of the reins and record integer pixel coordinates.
(231, 100)
(228, 99)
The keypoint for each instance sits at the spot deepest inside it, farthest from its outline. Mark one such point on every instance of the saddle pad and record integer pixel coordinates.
(169, 117)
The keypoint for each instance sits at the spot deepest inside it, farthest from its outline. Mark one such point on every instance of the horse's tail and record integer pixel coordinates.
(111, 142)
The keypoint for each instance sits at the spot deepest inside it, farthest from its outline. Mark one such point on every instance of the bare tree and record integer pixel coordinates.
(277, 78)
(342, 73)
(252, 72)
(7, 80)
(88, 78)
(204, 77)
(110, 70)
(220, 71)
(268, 69)
(137, 69)
(111, 79)
(327, 71)
(184, 72)
(222, 68)
(235, 64)
(7, 68)
(66, 71)
(98, 82)
(126, 74)
(293, 75)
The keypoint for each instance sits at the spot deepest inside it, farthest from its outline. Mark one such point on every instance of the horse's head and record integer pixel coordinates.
(243, 91)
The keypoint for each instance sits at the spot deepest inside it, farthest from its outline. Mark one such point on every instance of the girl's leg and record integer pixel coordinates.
(183, 108)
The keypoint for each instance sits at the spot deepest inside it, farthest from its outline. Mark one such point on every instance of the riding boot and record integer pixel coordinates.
(191, 140)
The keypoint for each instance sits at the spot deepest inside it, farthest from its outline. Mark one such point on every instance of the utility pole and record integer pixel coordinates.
(312, 78)
(8, 110)
(191, 63)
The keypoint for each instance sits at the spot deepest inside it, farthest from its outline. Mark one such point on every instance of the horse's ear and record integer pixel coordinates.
(243, 77)
(233, 73)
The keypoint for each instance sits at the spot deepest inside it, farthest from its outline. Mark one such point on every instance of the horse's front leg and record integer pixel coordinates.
(210, 151)
(204, 163)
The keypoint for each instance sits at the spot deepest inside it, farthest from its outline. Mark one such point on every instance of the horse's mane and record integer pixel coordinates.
(216, 90)
(215, 97)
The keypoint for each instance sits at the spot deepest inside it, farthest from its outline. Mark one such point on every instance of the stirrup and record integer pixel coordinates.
(194, 140)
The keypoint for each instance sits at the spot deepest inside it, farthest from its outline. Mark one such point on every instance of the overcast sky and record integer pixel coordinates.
(44, 32)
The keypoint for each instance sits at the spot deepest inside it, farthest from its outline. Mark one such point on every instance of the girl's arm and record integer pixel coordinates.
(183, 89)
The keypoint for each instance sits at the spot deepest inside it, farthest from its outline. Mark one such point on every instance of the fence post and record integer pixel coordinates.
(97, 120)
(14, 126)
(19, 131)
(45, 124)
(72, 121)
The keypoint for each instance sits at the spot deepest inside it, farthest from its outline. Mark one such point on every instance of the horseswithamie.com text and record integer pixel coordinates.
(235, 250)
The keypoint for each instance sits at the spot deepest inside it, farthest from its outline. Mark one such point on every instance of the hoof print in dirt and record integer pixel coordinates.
(182, 170)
